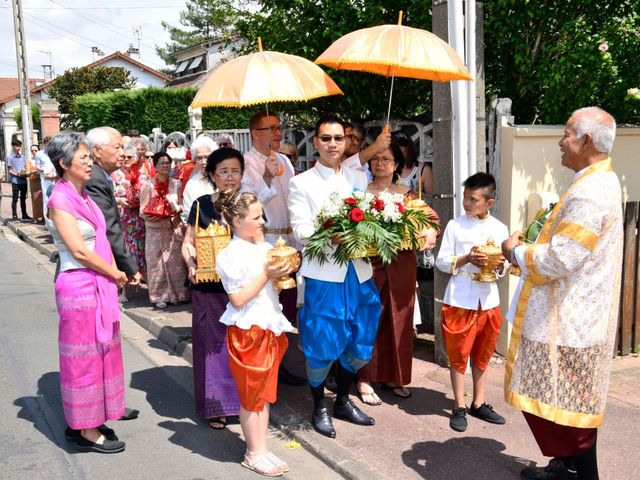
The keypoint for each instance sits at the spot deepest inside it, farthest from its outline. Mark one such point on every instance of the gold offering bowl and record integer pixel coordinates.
(282, 252)
(415, 204)
(209, 243)
(494, 260)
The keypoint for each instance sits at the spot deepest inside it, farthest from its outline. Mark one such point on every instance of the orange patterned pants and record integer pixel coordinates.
(470, 333)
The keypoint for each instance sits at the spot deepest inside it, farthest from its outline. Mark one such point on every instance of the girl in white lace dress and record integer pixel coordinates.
(256, 339)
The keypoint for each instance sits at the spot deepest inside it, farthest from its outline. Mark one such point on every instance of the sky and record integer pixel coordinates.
(69, 28)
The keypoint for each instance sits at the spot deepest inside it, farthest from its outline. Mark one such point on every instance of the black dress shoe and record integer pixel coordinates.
(108, 446)
(321, 421)
(288, 378)
(14, 218)
(71, 434)
(556, 470)
(130, 414)
(350, 412)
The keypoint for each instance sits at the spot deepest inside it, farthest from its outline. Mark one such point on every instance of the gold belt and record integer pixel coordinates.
(278, 231)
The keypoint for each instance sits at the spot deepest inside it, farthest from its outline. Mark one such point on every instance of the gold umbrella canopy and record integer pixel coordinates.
(264, 77)
(396, 51)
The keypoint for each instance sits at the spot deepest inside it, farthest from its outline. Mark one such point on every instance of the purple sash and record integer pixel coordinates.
(65, 197)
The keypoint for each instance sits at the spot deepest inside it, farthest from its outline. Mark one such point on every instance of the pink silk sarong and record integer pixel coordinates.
(91, 373)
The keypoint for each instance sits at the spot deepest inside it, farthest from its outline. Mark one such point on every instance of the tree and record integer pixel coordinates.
(551, 57)
(308, 28)
(78, 81)
(35, 116)
(203, 20)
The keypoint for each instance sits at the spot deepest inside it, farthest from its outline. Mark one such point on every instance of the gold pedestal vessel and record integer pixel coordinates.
(282, 252)
(209, 242)
(494, 260)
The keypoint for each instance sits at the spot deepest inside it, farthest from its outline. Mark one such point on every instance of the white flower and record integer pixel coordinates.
(390, 213)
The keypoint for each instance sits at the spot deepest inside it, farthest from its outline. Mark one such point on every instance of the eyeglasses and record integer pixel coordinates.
(85, 162)
(355, 138)
(227, 144)
(226, 172)
(382, 160)
(273, 129)
(328, 138)
(149, 156)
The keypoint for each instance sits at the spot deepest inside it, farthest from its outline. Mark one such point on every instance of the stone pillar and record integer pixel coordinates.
(49, 117)
(442, 171)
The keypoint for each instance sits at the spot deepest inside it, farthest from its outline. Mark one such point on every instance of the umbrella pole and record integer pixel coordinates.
(268, 124)
(386, 127)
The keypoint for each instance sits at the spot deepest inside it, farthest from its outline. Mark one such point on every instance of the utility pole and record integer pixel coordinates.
(23, 78)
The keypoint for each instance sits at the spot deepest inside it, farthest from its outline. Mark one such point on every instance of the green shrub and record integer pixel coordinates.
(147, 108)
(35, 116)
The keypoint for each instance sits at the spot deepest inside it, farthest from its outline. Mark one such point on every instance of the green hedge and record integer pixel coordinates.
(147, 108)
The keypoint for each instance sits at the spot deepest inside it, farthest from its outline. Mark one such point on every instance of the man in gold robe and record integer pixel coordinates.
(566, 306)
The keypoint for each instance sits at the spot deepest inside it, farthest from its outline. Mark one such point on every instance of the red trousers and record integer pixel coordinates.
(254, 358)
(470, 333)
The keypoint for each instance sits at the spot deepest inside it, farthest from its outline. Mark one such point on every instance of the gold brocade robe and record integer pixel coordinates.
(565, 323)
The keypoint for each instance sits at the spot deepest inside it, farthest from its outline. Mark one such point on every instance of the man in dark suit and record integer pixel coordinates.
(108, 156)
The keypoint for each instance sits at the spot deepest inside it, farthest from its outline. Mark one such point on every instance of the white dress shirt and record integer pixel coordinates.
(197, 186)
(273, 197)
(309, 192)
(463, 233)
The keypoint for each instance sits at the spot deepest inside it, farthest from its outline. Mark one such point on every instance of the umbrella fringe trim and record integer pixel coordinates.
(253, 103)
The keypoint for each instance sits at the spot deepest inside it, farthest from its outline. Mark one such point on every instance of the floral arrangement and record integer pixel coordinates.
(366, 225)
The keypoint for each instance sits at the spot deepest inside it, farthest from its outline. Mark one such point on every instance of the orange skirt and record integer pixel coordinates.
(470, 333)
(254, 358)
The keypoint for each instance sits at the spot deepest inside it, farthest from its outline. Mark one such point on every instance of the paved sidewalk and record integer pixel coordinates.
(411, 438)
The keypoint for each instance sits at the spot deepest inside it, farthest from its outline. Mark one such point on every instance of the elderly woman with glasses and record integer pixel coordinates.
(91, 373)
(390, 364)
(127, 182)
(215, 390)
(160, 210)
(195, 182)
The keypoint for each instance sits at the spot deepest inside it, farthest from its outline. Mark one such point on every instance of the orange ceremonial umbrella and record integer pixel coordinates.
(396, 51)
(264, 77)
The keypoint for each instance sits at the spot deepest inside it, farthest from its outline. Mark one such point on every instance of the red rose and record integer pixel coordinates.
(350, 201)
(400, 207)
(328, 224)
(378, 204)
(356, 214)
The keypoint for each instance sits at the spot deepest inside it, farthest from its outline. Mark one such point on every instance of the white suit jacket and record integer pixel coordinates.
(308, 192)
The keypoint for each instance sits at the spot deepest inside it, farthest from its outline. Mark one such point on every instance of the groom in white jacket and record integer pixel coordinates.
(339, 319)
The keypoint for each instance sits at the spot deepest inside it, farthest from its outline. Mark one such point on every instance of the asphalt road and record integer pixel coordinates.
(167, 441)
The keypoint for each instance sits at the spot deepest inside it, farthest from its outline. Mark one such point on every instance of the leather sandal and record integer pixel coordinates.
(262, 465)
(369, 398)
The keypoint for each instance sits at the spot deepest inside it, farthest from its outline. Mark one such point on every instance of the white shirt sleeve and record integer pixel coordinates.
(446, 261)
(301, 215)
(253, 181)
(230, 274)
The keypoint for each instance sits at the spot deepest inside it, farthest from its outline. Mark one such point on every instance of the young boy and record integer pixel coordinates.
(471, 315)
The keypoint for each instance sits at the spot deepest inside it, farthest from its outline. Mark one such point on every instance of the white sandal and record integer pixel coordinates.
(278, 462)
(263, 466)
